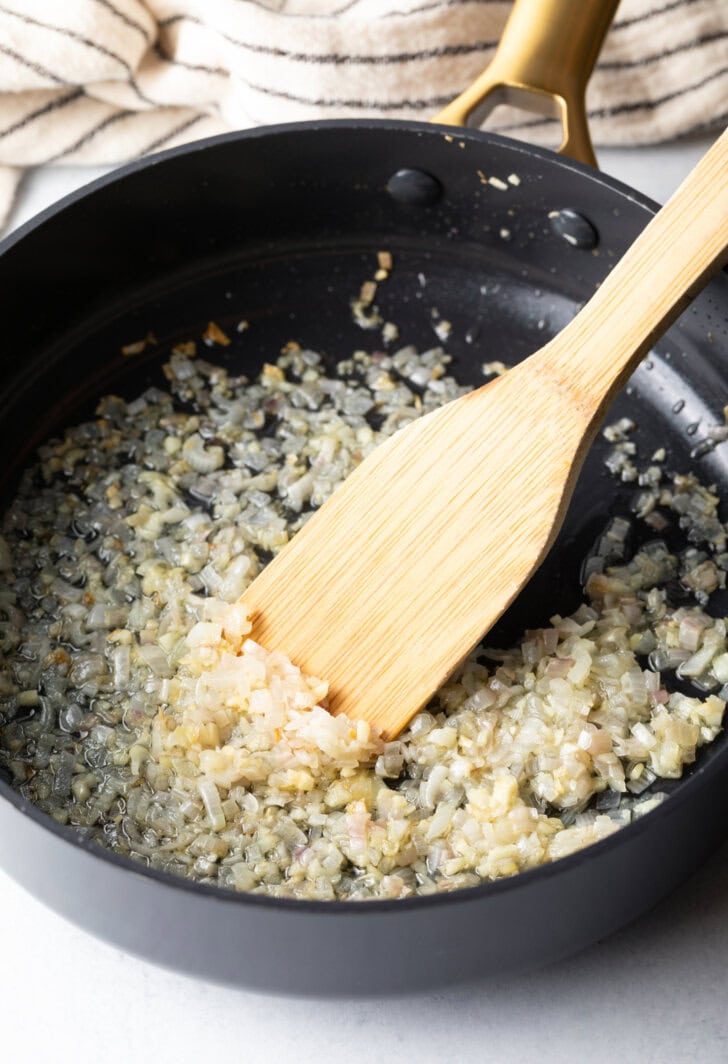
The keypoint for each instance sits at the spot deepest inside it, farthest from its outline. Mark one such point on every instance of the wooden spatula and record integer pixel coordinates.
(418, 553)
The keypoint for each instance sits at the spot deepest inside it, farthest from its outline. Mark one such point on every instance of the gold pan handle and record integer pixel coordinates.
(543, 63)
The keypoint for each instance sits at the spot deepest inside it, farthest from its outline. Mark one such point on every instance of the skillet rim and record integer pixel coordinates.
(691, 785)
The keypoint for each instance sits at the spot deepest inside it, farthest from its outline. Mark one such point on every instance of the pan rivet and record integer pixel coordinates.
(415, 187)
(574, 228)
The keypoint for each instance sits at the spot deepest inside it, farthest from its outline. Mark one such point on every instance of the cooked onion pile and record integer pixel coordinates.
(135, 707)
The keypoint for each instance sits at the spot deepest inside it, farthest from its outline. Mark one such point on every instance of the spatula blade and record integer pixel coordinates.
(394, 580)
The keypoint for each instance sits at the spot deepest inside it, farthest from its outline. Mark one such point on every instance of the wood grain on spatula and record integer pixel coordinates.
(410, 562)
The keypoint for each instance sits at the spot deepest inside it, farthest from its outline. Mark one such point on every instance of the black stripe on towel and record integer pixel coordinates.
(52, 105)
(126, 19)
(431, 102)
(649, 105)
(90, 134)
(645, 60)
(161, 141)
(438, 5)
(336, 58)
(189, 66)
(72, 35)
(620, 24)
(31, 65)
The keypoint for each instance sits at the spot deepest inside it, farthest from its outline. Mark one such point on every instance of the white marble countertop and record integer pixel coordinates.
(655, 991)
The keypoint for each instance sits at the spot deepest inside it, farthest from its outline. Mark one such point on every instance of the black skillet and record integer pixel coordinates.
(280, 226)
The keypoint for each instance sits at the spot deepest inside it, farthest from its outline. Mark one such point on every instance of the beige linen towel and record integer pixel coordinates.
(103, 81)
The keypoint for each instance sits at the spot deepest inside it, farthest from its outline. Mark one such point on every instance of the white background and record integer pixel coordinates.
(656, 991)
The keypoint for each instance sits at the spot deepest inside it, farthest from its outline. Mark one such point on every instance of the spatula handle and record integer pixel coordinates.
(649, 287)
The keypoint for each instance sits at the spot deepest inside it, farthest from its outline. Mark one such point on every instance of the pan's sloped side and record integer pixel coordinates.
(192, 213)
(368, 948)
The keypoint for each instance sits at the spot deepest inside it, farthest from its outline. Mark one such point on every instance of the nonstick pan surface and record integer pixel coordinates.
(280, 227)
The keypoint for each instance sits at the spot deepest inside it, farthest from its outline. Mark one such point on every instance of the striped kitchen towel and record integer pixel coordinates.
(103, 81)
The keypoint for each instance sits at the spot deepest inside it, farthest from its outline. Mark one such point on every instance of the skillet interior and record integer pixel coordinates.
(282, 228)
